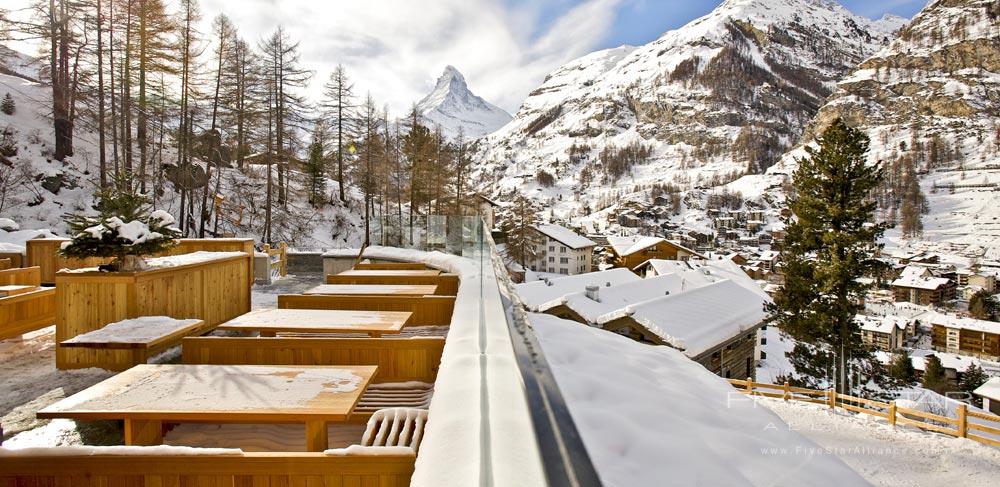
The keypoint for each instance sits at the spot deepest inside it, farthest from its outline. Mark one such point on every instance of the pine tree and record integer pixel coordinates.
(984, 306)
(830, 243)
(518, 224)
(901, 369)
(8, 106)
(125, 226)
(973, 377)
(934, 376)
(339, 106)
(315, 166)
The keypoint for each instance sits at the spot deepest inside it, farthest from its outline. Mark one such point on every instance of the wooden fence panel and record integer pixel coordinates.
(27, 276)
(447, 284)
(5, 264)
(27, 312)
(427, 310)
(390, 266)
(398, 359)
(248, 469)
(213, 291)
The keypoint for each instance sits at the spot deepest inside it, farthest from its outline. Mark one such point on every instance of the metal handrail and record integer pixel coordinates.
(564, 456)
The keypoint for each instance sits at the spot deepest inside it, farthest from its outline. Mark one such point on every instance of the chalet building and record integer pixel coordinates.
(918, 285)
(534, 295)
(966, 336)
(885, 332)
(562, 251)
(629, 252)
(985, 282)
(954, 365)
(715, 325)
(990, 393)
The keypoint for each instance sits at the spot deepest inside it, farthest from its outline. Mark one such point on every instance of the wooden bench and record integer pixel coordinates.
(447, 284)
(427, 310)
(398, 359)
(25, 311)
(125, 351)
(390, 266)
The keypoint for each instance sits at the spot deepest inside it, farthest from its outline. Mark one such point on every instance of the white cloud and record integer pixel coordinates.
(397, 48)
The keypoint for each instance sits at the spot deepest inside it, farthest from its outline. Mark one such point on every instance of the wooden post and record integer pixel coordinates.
(316, 436)
(963, 421)
(143, 432)
(892, 413)
(750, 385)
(787, 392)
(831, 397)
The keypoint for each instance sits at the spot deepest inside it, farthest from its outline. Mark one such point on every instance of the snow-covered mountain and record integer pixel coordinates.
(453, 106)
(932, 97)
(728, 92)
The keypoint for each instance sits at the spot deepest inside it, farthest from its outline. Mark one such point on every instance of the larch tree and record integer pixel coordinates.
(225, 34)
(830, 243)
(338, 103)
(155, 55)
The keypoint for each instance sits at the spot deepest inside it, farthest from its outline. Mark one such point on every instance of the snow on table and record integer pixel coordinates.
(192, 258)
(319, 321)
(141, 330)
(225, 393)
(374, 289)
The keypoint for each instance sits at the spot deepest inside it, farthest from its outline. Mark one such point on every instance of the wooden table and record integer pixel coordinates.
(146, 396)
(391, 273)
(374, 289)
(271, 321)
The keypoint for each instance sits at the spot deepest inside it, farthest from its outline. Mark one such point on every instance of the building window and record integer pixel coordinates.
(562, 249)
(552, 260)
(552, 248)
(564, 260)
(564, 271)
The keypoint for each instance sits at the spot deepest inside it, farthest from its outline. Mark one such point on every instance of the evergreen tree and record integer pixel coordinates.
(901, 369)
(125, 225)
(315, 167)
(830, 243)
(984, 306)
(517, 223)
(339, 106)
(8, 106)
(934, 376)
(971, 380)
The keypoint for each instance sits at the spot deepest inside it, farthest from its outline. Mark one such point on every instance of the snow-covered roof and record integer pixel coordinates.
(699, 319)
(611, 298)
(629, 245)
(536, 293)
(919, 278)
(919, 359)
(565, 236)
(701, 273)
(952, 321)
(990, 389)
(881, 324)
(710, 434)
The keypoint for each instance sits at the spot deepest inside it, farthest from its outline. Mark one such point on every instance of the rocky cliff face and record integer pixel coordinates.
(931, 100)
(726, 94)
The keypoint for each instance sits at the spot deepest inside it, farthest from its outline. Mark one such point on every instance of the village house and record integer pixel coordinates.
(918, 285)
(562, 251)
(629, 252)
(534, 295)
(966, 336)
(885, 332)
(977, 281)
(990, 393)
(715, 325)
(954, 365)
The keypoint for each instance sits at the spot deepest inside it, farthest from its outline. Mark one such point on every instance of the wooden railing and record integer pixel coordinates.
(5, 264)
(277, 259)
(51, 466)
(959, 426)
(26, 312)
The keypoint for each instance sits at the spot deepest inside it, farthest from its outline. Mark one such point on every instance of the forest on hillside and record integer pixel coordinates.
(217, 126)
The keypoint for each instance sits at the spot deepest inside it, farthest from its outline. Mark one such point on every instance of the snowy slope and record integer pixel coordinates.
(453, 106)
(730, 91)
(938, 85)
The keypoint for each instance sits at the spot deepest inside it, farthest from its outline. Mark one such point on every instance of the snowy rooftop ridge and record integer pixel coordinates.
(965, 323)
(565, 236)
(611, 298)
(537, 293)
(919, 278)
(696, 320)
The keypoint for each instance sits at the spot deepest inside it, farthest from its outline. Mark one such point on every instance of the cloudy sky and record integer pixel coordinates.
(396, 48)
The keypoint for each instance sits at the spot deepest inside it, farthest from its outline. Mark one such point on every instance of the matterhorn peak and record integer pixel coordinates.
(452, 105)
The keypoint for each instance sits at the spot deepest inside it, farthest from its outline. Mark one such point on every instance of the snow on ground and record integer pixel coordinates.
(886, 456)
(647, 414)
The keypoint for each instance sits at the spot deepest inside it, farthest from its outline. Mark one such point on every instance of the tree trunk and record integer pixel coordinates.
(102, 156)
